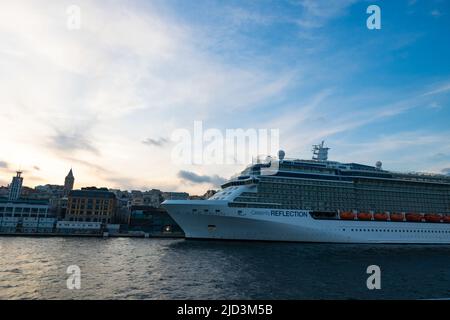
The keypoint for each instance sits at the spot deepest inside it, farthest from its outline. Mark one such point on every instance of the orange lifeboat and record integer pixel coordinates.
(381, 216)
(431, 217)
(347, 215)
(414, 217)
(397, 216)
(446, 219)
(364, 216)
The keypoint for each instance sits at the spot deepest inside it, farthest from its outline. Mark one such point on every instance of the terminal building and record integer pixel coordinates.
(152, 220)
(24, 215)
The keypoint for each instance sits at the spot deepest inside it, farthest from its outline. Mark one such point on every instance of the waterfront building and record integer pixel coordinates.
(58, 207)
(91, 205)
(152, 198)
(18, 214)
(4, 192)
(123, 202)
(15, 187)
(38, 225)
(122, 215)
(24, 208)
(49, 191)
(123, 197)
(136, 198)
(8, 224)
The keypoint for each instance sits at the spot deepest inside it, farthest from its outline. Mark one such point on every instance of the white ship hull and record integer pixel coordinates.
(211, 219)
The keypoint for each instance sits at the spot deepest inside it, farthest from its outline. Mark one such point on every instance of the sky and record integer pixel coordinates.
(105, 97)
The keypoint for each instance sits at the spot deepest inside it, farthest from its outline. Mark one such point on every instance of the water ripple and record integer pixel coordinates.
(126, 268)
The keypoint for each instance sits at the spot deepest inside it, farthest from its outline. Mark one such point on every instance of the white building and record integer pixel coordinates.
(40, 225)
(78, 227)
(24, 209)
(8, 224)
(31, 215)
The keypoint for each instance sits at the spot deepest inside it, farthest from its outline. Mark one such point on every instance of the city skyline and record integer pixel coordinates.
(15, 188)
(104, 99)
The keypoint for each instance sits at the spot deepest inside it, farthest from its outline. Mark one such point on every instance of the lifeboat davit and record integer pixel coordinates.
(431, 217)
(364, 216)
(346, 215)
(397, 217)
(381, 216)
(446, 219)
(415, 217)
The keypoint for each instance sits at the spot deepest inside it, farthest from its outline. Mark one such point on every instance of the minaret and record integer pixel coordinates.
(15, 187)
(68, 182)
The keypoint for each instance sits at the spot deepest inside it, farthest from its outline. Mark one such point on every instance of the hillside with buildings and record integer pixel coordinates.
(59, 209)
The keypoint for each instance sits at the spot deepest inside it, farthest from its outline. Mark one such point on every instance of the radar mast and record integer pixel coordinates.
(320, 152)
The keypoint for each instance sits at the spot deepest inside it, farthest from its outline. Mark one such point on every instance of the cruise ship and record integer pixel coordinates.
(318, 200)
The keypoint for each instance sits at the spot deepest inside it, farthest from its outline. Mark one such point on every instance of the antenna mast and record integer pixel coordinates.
(320, 152)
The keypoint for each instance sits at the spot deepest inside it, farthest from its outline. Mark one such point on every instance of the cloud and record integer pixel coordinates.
(441, 157)
(434, 105)
(240, 16)
(317, 13)
(99, 169)
(124, 183)
(4, 165)
(155, 142)
(72, 142)
(192, 177)
(325, 116)
(430, 150)
(446, 171)
(440, 89)
(436, 13)
(239, 70)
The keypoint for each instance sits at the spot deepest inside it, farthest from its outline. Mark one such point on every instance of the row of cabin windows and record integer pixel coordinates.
(383, 187)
